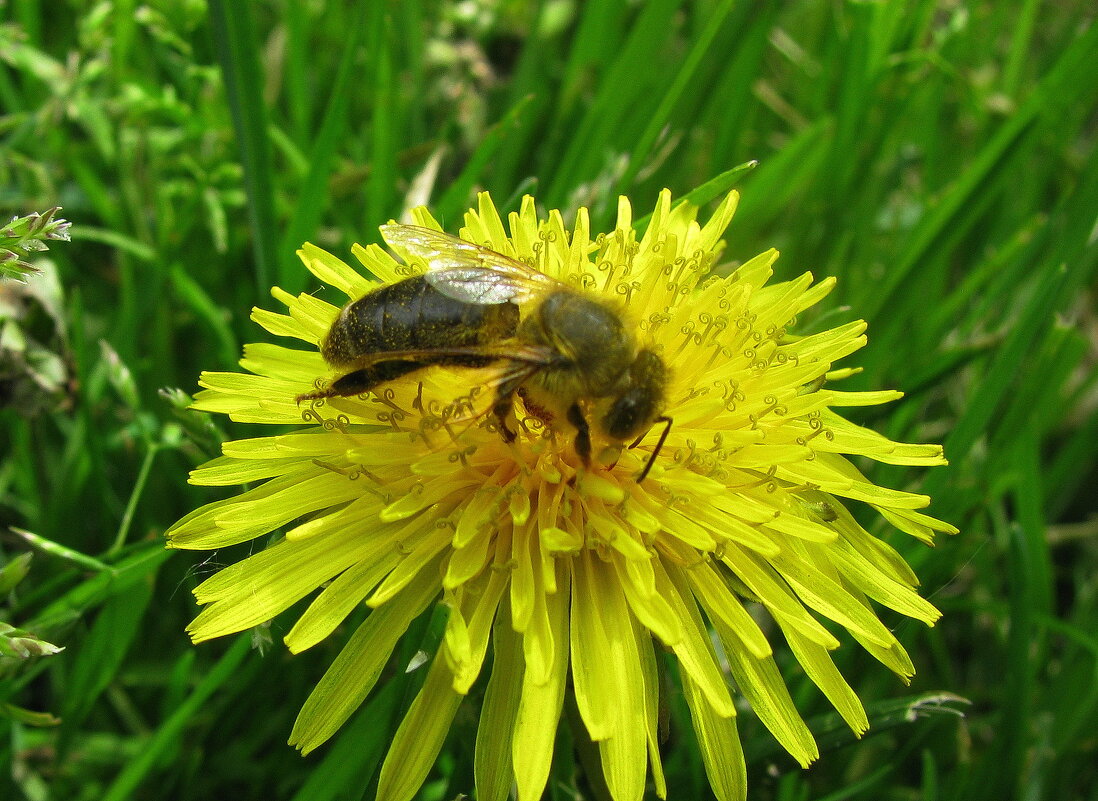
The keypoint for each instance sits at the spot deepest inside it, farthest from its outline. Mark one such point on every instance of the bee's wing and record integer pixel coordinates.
(468, 272)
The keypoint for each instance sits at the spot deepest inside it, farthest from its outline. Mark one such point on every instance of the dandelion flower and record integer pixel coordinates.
(408, 496)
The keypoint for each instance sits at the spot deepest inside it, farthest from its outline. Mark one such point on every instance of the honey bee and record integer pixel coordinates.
(563, 349)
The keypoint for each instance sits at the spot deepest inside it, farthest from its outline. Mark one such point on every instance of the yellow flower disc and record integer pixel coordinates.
(409, 495)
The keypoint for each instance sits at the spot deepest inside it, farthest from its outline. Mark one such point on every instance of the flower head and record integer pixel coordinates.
(409, 495)
(24, 236)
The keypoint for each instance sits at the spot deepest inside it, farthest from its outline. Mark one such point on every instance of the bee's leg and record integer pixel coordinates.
(663, 418)
(359, 382)
(505, 396)
(583, 433)
(502, 408)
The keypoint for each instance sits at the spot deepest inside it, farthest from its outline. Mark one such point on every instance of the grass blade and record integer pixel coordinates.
(238, 53)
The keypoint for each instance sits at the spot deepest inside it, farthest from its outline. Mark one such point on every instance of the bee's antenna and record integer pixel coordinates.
(659, 444)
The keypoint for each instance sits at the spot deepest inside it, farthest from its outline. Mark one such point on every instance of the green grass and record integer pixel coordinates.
(938, 158)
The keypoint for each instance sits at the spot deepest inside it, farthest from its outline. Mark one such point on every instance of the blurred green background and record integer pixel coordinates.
(938, 157)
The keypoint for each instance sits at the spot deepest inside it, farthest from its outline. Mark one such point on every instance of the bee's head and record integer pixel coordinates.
(640, 402)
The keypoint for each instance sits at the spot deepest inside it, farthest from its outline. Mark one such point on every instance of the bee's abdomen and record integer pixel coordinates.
(413, 315)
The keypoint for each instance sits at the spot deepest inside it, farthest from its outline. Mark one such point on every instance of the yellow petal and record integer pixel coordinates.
(467, 562)
(331, 270)
(774, 594)
(538, 646)
(275, 361)
(419, 736)
(479, 605)
(383, 266)
(604, 658)
(694, 650)
(865, 575)
(255, 590)
(760, 681)
(421, 558)
(819, 667)
(354, 672)
(651, 695)
(282, 325)
(539, 710)
(492, 761)
(718, 601)
(225, 472)
(649, 606)
(719, 743)
(808, 578)
(312, 314)
(338, 600)
(624, 753)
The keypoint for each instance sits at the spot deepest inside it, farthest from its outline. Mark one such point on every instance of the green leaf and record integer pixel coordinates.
(21, 644)
(14, 571)
(27, 717)
(96, 662)
(238, 53)
(168, 732)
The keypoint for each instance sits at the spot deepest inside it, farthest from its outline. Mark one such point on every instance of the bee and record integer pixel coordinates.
(563, 350)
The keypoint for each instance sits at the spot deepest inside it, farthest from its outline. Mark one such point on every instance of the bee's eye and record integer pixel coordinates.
(627, 414)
